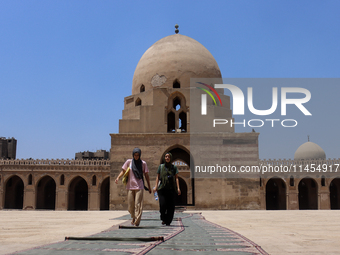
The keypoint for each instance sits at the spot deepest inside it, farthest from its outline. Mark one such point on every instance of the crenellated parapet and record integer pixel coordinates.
(289, 162)
(55, 162)
(287, 168)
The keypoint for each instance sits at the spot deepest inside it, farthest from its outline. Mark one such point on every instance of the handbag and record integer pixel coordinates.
(126, 176)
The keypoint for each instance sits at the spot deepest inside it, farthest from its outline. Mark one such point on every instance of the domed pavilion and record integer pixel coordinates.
(309, 151)
(156, 118)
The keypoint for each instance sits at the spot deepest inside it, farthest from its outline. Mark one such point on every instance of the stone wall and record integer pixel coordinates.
(62, 171)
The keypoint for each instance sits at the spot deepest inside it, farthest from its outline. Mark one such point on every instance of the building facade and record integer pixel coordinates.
(158, 118)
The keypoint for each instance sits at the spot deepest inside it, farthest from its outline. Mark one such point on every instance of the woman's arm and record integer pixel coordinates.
(156, 185)
(177, 182)
(120, 175)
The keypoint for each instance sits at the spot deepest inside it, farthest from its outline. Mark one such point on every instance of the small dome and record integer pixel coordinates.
(309, 150)
(175, 58)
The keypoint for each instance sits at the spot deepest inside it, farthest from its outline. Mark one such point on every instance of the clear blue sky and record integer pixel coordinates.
(66, 66)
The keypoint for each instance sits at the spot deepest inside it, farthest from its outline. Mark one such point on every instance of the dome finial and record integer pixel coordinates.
(308, 137)
(176, 31)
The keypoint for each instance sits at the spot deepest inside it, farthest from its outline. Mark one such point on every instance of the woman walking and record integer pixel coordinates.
(135, 184)
(168, 188)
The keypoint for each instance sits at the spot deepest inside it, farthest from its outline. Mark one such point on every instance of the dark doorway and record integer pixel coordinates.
(276, 194)
(46, 191)
(179, 154)
(14, 197)
(105, 194)
(334, 194)
(183, 198)
(308, 194)
(78, 194)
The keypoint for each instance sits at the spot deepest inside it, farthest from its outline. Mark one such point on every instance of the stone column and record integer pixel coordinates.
(94, 199)
(29, 197)
(293, 199)
(61, 198)
(263, 196)
(324, 199)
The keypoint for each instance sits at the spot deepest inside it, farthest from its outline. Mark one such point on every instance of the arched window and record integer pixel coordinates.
(94, 180)
(323, 181)
(138, 102)
(171, 122)
(142, 88)
(176, 84)
(177, 103)
(177, 113)
(30, 179)
(183, 122)
(291, 181)
(62, 179)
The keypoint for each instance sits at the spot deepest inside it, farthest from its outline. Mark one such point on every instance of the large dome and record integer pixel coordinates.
(309, 150)
(175, 57)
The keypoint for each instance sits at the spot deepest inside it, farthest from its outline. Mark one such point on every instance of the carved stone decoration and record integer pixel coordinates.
(158, 80)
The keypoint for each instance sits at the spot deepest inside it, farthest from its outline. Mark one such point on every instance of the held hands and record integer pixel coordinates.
(178, 190)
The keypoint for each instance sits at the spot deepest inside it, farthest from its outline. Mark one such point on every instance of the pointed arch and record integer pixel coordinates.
(176, 84)
(142, 88)
(334, 193)
(94, 180)
(14, 193)
(178, 98)
(78, 194)
(176, 103)
(308, 194)
(46, 193)
(62, 179)
(177, 113)
(323, 181)
(105, 194)
(178, 152)
(138, 102)
(276, 194)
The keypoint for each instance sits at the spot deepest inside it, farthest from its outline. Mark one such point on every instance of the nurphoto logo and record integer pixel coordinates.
(239, 105)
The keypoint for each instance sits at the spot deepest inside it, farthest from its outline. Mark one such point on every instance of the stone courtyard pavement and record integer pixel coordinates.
(192, 232)
(188, 234)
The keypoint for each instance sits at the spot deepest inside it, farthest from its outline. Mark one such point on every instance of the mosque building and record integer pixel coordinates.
(158, 117)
